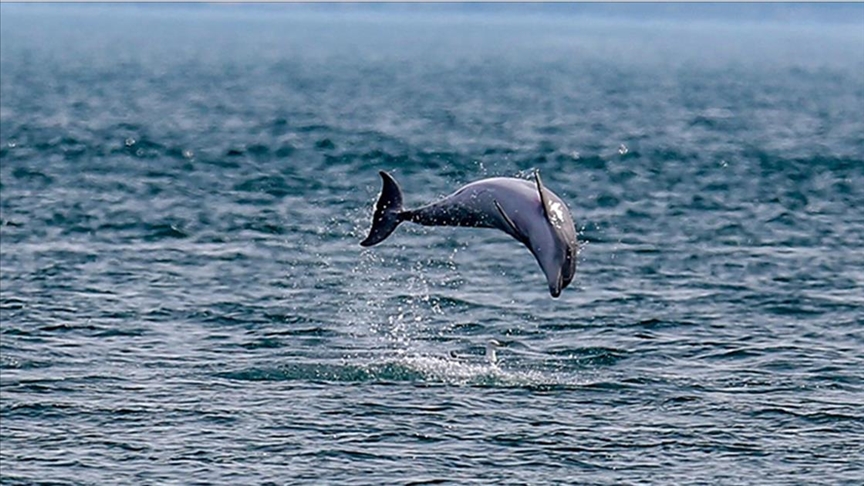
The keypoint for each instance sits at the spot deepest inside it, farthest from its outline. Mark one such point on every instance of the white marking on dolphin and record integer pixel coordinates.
(527, 211)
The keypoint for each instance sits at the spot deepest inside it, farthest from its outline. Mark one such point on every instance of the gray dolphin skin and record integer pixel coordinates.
(525, 210)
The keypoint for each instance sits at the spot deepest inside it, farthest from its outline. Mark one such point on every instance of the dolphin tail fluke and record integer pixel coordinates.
(388, 211)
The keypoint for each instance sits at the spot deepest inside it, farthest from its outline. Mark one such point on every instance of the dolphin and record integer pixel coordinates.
(525, 210)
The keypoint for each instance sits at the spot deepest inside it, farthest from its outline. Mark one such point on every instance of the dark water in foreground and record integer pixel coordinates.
(184, 300)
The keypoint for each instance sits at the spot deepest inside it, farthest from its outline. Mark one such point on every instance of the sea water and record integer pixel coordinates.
(185, 300)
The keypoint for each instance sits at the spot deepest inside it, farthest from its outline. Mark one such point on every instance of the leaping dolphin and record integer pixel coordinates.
(527, 211)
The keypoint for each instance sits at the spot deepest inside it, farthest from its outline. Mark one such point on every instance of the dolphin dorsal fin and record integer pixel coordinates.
(543, 200)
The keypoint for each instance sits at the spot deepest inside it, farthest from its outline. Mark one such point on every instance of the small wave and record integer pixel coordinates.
(409, 368)
(273, 185)
(15, 363)
(161, 231)
(32, 175)
(324, 372)
(594, 356)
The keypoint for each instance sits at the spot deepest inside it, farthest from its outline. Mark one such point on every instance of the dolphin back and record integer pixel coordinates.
(388, 211)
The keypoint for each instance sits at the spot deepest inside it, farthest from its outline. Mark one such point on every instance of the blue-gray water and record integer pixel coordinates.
(184, 300)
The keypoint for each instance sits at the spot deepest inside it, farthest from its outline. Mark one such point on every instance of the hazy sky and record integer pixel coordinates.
(750, 12)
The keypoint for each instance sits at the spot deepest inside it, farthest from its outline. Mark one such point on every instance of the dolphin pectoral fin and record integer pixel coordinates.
(514, 230)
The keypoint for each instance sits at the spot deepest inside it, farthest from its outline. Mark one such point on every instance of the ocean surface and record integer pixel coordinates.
(184, 299)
